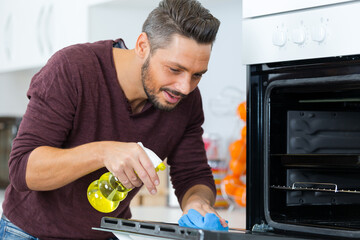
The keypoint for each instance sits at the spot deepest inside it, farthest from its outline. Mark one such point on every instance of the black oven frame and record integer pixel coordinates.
(261, 79)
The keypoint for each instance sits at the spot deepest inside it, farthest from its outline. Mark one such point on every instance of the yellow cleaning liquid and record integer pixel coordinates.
(107, 192)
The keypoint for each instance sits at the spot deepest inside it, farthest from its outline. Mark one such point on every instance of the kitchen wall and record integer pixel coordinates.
(222, 87)
(13, 88)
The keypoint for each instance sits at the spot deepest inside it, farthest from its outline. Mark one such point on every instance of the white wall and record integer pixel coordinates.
(13, 88)
(222, 87)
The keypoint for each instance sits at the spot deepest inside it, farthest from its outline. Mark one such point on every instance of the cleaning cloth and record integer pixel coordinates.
(194, 219)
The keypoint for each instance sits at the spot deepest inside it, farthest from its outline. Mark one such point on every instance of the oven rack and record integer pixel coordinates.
(301, 186)
(343, 161)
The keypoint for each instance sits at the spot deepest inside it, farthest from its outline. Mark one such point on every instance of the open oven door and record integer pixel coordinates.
(125, 229)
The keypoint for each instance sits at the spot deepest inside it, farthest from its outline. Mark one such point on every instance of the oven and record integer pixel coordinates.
(304, 145)
(303, 125)
(303, 166)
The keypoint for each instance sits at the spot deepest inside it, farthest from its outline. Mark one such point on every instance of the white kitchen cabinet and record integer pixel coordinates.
(25, 33)
(31, 31)
(6, 32)
(71, 22)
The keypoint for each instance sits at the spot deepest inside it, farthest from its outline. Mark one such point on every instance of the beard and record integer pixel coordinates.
(151, 92)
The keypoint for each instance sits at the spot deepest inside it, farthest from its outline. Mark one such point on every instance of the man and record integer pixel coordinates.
(87, 109)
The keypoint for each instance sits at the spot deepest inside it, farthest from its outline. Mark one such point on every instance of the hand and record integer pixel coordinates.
(203, 208)
(200, 198)
(124, 159)
(194, 219)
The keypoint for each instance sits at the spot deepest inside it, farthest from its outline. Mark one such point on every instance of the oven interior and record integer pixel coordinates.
(312, 151)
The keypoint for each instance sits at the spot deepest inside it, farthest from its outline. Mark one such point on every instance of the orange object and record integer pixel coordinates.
(243, 133)
(235, 148)
(240, 196)
(242, 155)
(241, 111)
(237, 166)
(231, 182)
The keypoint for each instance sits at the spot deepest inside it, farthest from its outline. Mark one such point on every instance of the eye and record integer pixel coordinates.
(174, 70)
(197, 76)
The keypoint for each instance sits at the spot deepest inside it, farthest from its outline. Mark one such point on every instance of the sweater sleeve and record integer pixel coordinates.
(188, 162)
(48, 117)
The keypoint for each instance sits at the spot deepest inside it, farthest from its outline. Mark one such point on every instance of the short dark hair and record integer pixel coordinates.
(187, 18)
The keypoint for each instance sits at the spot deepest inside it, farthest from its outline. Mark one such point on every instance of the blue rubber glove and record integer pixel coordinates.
(194, 219)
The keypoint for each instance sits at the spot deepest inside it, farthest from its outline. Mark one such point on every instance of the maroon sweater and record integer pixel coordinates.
(76, 99)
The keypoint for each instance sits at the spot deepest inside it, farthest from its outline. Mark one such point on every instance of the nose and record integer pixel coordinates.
(184, 85)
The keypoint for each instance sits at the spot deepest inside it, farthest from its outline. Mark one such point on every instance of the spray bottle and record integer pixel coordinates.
(107, 192)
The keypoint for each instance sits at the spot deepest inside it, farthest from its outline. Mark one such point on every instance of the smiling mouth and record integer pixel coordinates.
(171, 98)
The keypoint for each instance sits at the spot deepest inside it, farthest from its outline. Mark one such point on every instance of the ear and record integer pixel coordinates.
(142, 47)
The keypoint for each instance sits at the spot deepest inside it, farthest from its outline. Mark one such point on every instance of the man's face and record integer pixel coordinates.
(171, 73)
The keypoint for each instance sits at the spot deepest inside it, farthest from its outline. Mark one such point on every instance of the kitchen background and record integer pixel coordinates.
(31, 34)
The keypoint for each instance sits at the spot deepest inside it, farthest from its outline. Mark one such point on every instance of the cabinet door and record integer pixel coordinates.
(6, 33)
(70, 20)
(31, 31)
(26, 34)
